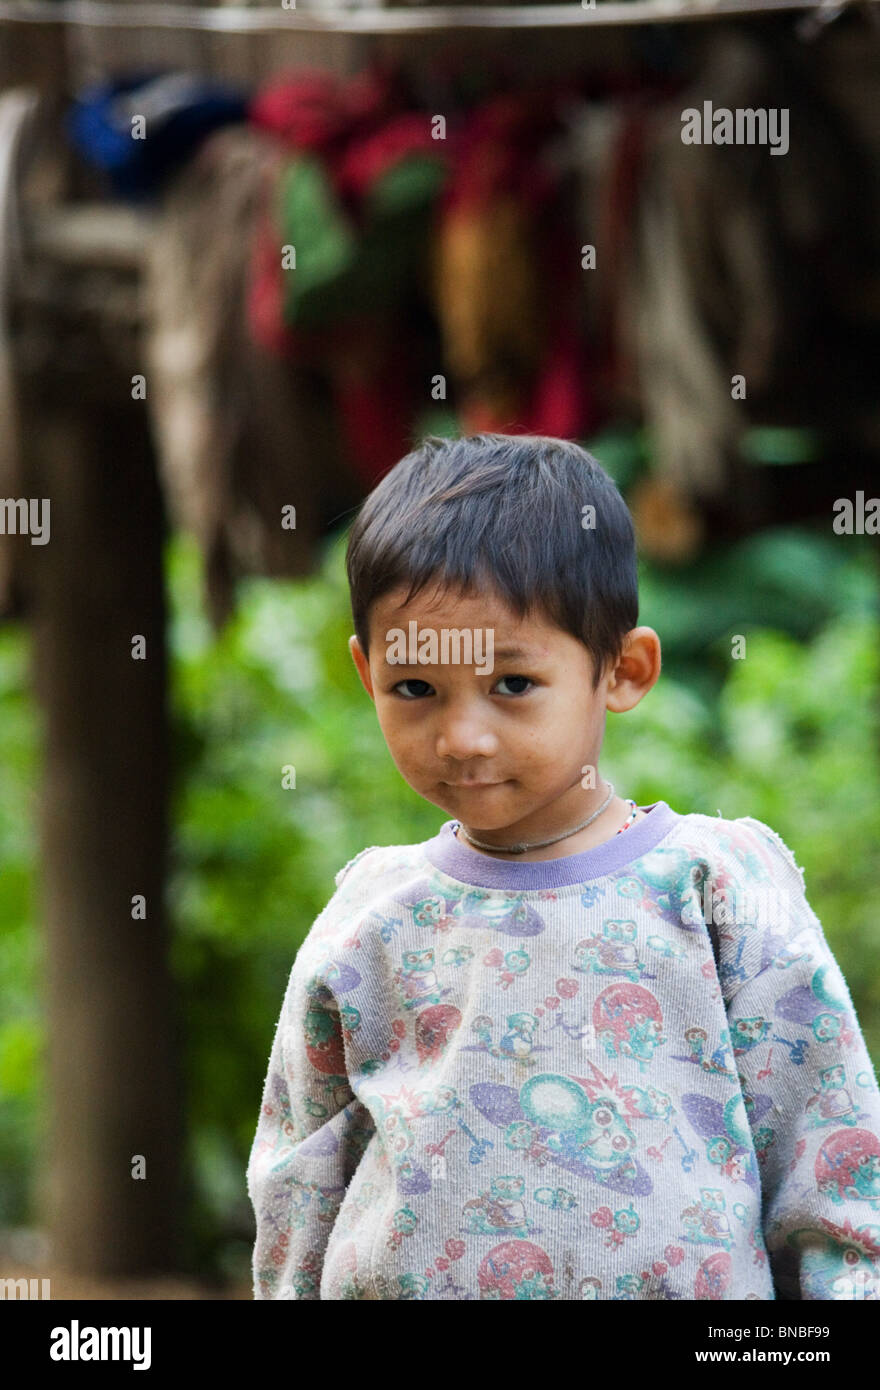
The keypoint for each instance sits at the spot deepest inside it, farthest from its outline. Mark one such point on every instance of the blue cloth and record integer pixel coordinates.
(180, 110)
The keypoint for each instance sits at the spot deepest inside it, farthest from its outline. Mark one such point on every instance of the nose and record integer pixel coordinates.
(463, 735)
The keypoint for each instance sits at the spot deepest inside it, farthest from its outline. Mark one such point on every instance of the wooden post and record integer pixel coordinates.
(113, 1037)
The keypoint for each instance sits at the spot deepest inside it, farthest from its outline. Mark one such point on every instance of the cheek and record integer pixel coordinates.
(391, 724)
(559, 744)
(572, 713)
(407, 743)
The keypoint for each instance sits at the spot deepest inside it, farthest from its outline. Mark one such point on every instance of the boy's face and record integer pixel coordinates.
(501, 748)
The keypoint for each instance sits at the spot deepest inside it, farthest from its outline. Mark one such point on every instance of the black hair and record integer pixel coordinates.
(506, 513)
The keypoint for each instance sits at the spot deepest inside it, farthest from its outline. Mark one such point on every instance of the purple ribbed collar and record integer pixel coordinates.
(470, 866)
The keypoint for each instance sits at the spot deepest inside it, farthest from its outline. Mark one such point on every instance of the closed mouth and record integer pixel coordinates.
(473, 784)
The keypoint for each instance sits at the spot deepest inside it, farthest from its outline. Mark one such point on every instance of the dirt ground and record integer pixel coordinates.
(77, 1287)
(65, 1284)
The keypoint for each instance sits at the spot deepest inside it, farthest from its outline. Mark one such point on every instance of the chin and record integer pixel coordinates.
(480, 808)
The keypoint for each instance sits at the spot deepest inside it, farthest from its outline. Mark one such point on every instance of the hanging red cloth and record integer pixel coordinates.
(507, 274)
(377, 159)
(498, 250)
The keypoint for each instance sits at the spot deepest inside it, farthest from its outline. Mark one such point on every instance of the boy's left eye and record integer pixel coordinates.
(515, 678)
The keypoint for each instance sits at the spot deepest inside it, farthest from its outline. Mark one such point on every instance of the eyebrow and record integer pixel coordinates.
(517, 654)
(509, 653)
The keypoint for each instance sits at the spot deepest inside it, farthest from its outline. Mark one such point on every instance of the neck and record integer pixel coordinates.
(601, 829)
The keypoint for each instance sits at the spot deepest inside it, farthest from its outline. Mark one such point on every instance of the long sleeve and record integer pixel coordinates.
(809, 1085)
(310, 1134)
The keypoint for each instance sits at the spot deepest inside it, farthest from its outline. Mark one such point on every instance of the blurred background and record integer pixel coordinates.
(250, 256)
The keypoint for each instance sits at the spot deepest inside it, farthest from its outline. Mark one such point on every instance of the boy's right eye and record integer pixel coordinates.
(409, 696)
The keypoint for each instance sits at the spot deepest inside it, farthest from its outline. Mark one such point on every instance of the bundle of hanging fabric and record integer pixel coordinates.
(243, 437)
(748, 264)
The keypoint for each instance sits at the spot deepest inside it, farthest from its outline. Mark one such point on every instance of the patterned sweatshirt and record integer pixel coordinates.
(629, 1073)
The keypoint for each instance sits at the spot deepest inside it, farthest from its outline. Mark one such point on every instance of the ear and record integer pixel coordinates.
(363, 666)
(636, 672)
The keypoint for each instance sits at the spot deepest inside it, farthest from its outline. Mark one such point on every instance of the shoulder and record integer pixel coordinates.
(757, 912)
(770, 847)
(743, 848)
(347, 946)
(369, 888)
(347, 868)
(379, 863)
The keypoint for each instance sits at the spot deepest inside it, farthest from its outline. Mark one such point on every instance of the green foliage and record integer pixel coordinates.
(788, 734)
(255, 862)
(793, 742)
(22, 1068)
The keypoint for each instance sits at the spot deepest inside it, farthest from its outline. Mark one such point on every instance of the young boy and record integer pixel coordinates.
(569, 1047)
